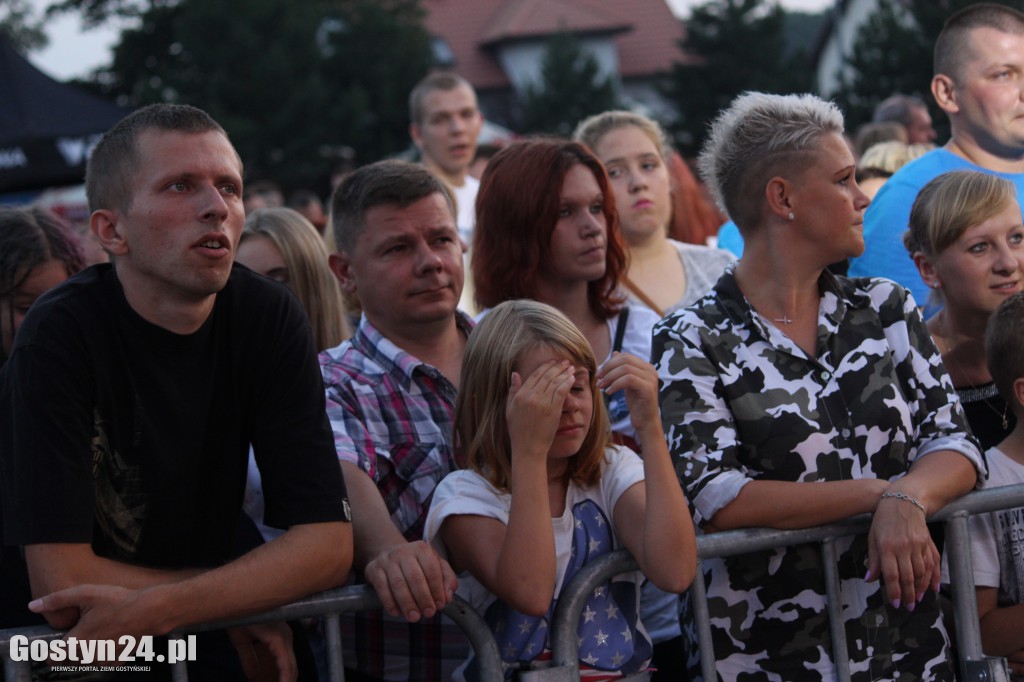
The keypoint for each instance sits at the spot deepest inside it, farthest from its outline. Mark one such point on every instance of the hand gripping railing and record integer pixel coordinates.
(328, 605)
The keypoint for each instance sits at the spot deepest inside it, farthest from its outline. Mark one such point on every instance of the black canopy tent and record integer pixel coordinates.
(46, 128)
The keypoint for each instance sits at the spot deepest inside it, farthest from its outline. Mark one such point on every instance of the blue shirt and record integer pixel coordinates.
(888, 218)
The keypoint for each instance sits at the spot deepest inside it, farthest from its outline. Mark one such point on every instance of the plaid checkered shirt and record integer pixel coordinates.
(392, 417)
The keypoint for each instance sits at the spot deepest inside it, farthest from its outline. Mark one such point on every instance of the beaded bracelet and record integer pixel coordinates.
(903, 496)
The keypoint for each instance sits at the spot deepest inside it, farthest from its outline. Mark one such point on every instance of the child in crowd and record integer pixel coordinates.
(545, 492)
(997, 538)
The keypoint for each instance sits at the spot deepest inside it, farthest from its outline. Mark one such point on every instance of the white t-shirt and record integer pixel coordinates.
(611, 636)
(465, 197)
(997, 538)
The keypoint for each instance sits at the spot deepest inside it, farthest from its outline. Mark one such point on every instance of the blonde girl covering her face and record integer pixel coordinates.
(535, 488)
(663, 274)
(309, 276)
(481, 422)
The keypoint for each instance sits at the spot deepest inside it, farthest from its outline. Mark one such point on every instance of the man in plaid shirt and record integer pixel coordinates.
(390, 398)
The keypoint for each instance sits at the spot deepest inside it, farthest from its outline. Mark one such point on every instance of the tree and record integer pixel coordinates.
(20, 27)
(570, 89)
(893, 54)
(292, 83)
(737, 45)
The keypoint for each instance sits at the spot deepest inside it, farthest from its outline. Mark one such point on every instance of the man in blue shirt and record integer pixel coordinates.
(979, 83)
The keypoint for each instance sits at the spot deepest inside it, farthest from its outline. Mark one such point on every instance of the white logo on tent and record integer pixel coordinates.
(12, 158)
(76, 150)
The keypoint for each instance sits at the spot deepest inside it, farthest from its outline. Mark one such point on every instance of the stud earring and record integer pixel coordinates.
(791, 216)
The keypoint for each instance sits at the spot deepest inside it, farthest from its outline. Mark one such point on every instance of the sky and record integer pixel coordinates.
(74, 52)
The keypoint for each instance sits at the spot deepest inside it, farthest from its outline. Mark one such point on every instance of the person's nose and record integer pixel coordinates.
(213, 206)
(1008, 259)
(637, 182)
(427, 260)
(592, 224)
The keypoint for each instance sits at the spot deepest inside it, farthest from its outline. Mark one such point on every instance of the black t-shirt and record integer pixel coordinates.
(121, 433)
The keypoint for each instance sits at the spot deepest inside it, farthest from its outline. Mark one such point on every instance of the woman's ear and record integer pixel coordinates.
(927, 270)
(777, 193)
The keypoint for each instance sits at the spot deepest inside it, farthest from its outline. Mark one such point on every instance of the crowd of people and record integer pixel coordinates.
(435, 384)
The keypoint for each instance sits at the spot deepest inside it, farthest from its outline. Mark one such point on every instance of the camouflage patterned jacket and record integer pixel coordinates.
(740, 401)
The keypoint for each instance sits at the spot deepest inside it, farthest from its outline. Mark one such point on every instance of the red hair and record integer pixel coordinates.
(694, 216)
(516, 213)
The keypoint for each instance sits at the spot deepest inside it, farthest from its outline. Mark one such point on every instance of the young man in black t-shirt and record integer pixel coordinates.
(131, 397)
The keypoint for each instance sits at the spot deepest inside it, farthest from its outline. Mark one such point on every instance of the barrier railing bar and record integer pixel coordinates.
(338, 600)
(21, 671)
(179, 672)
(331, 602)
(15, 671)
(702, 620)
(488, 657)
(332, 633)
(571, 599)
(834, 603)
(964, 601)
(742, 541)
(563, 635)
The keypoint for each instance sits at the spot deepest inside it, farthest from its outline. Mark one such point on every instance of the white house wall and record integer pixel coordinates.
(522, 61)
(840, 43)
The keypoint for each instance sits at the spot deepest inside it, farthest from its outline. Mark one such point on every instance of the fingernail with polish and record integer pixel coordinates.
(895, 603)
(910, 606)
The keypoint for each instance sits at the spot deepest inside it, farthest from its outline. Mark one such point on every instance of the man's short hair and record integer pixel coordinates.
(1004, 346)
(113, 162)
(439, 80)
(385, 183)
(898, 109)
(953, 47)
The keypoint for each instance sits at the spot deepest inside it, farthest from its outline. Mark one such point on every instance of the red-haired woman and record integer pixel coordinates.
(547, 230)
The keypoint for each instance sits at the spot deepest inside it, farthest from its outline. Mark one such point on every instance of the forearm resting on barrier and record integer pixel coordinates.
(307, 558)
(410, 578)
(790, 505)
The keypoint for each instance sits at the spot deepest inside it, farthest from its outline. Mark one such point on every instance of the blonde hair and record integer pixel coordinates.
(592, 129)
(889, 157)
(309, 276)
(951, 203)
(495, 348)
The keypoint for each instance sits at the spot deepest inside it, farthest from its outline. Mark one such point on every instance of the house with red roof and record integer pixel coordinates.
(499, 45)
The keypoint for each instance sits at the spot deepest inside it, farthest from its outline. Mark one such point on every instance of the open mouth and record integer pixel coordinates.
(213, 243)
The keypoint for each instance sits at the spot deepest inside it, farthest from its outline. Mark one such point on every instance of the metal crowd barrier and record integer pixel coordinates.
(975, 666)
(329, 605)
